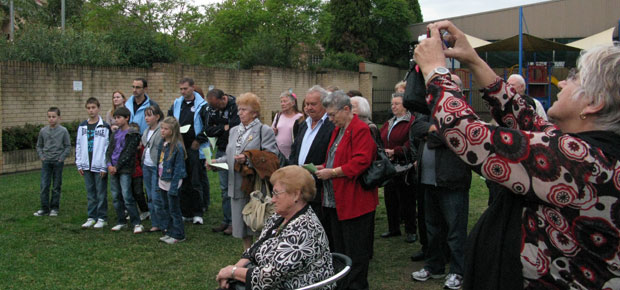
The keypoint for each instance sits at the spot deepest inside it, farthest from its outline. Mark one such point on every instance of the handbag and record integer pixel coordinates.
(380, 172)
(259, 208)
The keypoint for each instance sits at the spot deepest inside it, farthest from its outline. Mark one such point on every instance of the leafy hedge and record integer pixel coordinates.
(25, 137)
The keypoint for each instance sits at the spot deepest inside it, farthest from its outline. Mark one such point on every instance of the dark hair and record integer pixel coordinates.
(55, 110)
(217, 93)
(135, 126)
(155, 111)
(122, 112)
(187, 80)
(93, 100)
(143, 80)
(353, 93)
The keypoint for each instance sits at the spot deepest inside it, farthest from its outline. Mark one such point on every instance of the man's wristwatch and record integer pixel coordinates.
(440, 70)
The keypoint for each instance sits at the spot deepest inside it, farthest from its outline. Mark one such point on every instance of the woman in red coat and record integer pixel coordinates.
(349, 209)
(399, 193)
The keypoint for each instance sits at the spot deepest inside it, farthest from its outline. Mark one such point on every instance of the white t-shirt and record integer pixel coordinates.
(147, 150)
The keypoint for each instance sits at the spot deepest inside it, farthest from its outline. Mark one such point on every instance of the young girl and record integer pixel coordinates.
(151, 138)
(171, 171)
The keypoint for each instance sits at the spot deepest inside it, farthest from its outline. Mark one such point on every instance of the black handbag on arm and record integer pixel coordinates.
(380, 172)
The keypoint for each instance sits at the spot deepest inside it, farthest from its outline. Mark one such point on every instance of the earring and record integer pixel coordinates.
(582, 116)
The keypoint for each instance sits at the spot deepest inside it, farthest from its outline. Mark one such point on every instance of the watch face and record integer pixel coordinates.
(442, 71)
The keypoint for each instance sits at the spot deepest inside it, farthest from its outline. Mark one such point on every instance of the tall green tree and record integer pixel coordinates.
(351, 27)
(391, 19)
(414, 6)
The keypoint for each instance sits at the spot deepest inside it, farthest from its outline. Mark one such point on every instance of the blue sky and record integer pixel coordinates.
(440, 9)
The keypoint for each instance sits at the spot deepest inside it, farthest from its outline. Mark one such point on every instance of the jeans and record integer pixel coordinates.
(97, 194)
(156, 202)
(191, 189)
(172, 208)
(51, 169)
(224, 187)
(446, 220)
(122, 198)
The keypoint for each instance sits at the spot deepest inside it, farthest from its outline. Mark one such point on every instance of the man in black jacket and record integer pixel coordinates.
(221, 117)
(310, 144)
(445, 180)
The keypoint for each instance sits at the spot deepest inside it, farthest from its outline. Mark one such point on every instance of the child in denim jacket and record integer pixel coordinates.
(171, 171)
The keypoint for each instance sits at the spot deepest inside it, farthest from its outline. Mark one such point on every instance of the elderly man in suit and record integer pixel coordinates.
(310, 145)
(250, 134)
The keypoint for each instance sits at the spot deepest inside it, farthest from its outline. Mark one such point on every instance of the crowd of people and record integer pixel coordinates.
(554, 184)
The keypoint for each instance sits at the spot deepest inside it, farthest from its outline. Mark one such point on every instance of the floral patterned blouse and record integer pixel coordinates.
(570, 233)
(292, 256)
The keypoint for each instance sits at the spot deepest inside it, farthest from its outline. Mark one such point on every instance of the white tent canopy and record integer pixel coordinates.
(475, 41)
(601, 38)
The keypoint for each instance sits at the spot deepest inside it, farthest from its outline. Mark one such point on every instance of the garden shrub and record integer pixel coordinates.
(25, 137)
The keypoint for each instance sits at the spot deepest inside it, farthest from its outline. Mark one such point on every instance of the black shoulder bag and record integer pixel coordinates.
(381, 170)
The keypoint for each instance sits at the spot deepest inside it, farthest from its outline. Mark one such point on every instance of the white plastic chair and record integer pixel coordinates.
(342, 266)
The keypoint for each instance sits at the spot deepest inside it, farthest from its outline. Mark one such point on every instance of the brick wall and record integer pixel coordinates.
(27, 90)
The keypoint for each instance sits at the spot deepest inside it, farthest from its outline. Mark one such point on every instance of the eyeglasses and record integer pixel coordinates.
(136, 87)
(332, 114)
(572, 74)
(277, 193)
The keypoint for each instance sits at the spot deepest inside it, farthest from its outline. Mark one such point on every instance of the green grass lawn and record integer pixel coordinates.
(55, 253)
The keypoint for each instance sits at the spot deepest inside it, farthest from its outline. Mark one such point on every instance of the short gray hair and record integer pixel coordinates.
(363, 108)
(599, 71)
(318, 89)
(337, 99)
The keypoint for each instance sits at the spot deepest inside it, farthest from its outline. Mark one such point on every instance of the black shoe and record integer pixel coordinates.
(390, 234)
(419, 256)
(411, 238)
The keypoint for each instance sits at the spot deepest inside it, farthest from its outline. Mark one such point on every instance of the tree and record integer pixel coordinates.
(391, 19)
(414, 6)
(351, 27)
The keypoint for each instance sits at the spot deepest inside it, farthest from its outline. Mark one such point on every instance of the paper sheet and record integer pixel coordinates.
(310, 167)
(185, 128)
(208, 154)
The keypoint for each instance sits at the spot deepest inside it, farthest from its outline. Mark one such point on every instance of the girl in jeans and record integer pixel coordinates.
(171, 171)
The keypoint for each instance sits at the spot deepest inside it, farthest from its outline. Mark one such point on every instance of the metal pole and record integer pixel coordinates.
(62, 12)
(12, 16)
(520, 39)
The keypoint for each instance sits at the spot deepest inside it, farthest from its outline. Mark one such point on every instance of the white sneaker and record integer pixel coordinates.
(118, 227)
(172, 240)
(197, 220)
(40, 213)
(100, 224)
(423, 275)
(138, 229)
(145, 215)
(453, 281)
(53, 212)
(164, 238)
(89, 223)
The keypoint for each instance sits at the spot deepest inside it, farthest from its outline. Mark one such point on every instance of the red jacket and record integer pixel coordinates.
(354, 154)
(399, 137)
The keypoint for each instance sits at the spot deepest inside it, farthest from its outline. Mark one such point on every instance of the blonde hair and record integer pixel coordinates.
(176, 138)
(251, 100)
(400, 84)
(295, 178)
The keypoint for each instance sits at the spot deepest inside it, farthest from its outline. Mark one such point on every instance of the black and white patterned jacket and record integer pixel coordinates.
(297, 256)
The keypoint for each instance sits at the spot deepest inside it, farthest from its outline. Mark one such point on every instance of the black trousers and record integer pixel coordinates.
(191, 189)
(353, 238)
(400, 204)
(421, 220)
(137, 192)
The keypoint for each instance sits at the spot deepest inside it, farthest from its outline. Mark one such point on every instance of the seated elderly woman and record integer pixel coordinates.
(568, 171)
(292, 250)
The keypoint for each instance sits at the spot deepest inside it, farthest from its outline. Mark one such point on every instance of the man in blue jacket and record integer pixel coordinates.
(138, 102)
(186, 109)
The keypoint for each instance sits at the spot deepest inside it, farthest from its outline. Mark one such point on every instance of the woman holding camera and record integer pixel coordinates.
(568, 171)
